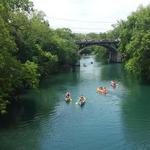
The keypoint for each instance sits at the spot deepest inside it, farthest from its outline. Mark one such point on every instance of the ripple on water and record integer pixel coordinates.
(118, 120)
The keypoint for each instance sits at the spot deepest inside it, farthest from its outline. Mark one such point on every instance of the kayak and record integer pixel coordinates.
(81, 103)
(69, 99)
(113, 85)
(102, 91)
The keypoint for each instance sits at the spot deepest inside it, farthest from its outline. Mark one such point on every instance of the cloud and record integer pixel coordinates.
(87, 15)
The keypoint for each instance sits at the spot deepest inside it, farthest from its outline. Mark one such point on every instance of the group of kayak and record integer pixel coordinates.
(82, 99)
(103, 90)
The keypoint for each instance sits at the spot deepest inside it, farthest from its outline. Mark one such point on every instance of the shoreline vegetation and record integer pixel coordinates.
(30, 49)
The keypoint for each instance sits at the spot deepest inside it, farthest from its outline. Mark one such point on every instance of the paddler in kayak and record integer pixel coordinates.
(102, 90)
(68, 96)
(105, 91)
(81, 100)
(99, 89)
(113, 83)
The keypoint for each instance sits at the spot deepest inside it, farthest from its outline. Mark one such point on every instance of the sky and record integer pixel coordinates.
(85, 16)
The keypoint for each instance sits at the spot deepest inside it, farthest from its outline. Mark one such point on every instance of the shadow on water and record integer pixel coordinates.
(37, 108)
(135, 112)
(21, 127)
(40, 101)
(35, 102)
(68, 77)
(111, 72)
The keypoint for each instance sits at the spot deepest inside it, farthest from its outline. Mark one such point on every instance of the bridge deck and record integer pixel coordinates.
(92, 42)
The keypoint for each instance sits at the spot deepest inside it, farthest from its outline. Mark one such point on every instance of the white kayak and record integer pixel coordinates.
(81, 102)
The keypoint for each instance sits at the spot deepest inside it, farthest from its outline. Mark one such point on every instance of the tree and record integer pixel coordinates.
(135, 41)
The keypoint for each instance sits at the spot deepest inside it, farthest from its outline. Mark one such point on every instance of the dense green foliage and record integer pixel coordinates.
(29, 48)
(134, 34)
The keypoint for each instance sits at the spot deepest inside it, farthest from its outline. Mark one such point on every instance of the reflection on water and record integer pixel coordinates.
(111, 72)
(136, 116)
(118, 120)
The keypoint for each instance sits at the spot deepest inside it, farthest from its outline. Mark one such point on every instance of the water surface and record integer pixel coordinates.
(118, 120)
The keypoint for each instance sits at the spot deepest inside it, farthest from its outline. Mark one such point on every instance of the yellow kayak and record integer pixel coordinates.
(69, 99)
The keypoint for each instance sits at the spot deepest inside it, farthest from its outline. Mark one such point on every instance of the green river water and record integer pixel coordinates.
(119, 120)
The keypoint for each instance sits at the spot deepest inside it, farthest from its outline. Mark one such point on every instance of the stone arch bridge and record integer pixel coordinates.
(111, 46)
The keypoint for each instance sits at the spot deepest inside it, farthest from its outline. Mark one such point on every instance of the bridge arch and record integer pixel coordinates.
(110, 45)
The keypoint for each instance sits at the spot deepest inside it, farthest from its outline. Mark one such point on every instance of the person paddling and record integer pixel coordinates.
(105, 91)
(68, 95)
(113, 83)
(82, 98)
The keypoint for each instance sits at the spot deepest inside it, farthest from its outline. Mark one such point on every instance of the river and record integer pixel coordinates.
(119, 120)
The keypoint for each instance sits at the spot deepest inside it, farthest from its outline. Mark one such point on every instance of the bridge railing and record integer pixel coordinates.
(96, 41)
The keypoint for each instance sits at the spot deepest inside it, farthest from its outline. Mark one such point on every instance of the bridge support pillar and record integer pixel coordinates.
(77, 63)
(114, 57)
